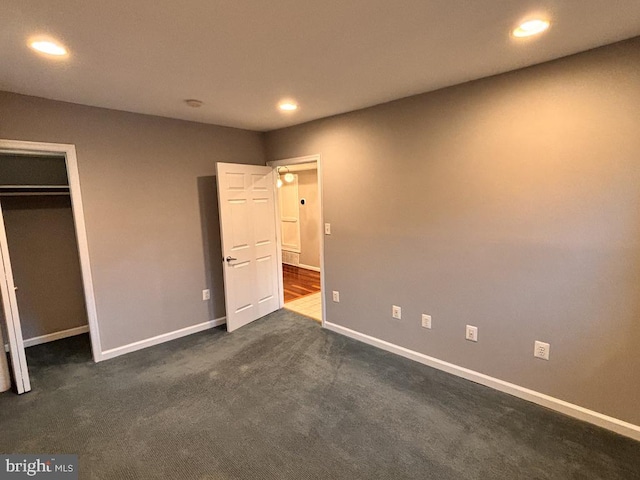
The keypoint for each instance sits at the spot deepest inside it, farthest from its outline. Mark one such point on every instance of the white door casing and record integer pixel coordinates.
(249, 242)
(71, 161)
(12, 316)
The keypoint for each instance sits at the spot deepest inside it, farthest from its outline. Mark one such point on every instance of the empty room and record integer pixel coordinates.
(320, 240)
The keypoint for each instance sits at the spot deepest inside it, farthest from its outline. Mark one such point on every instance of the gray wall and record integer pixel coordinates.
(509, 203)
(309, 218)
(147, 186)
(45, 263)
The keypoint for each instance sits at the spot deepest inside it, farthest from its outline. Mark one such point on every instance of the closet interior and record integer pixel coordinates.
(36, 209)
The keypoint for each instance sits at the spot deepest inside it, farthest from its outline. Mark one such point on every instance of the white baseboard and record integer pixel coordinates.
(165, 337)
(309, 267)
(581, 413)
(50, 337)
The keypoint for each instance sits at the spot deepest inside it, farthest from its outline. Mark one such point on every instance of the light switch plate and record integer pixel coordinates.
(471, 333)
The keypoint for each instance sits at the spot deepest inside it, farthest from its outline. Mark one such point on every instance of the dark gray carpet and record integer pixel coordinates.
(284, 399)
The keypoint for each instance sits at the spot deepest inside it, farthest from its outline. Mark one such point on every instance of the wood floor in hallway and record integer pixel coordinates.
(299, 282)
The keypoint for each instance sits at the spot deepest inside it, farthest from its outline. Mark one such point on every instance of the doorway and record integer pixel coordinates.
(47, 291)
(300, 222)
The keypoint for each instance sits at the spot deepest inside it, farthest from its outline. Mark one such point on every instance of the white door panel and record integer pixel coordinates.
(249, 243)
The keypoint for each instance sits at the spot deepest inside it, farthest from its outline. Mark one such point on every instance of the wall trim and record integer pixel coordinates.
(309, 267)
(575, 411)
(165, 337)
(50, 337)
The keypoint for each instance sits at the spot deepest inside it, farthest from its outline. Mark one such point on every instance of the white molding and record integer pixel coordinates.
(73, 175)
(50, 337)
(309, 267)
(165, 337)
(294, 160)
(576, 411)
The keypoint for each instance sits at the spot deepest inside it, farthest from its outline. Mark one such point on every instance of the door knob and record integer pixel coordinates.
(230, 259)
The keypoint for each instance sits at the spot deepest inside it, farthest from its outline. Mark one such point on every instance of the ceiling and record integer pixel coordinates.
(241, 57)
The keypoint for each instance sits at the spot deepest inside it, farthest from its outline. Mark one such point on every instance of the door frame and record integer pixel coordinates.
(294, 161)
(68, 152)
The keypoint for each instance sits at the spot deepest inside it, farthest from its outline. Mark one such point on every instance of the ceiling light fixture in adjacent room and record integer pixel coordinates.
(530, 28)
(48, 47)
(193, 103)
(288, 177)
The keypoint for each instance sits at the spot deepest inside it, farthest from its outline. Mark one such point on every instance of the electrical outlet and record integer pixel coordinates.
(336, 296)
(426, 320)
(327, 229)
(206, 294)
(396, 312)
(472, 333)
(541, 350)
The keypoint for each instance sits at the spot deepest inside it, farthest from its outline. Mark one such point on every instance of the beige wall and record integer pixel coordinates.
(510, 203)
(45, 263)
(148, 186)
(309, 218)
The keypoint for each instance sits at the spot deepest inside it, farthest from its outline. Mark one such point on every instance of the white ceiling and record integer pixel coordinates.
(241, 57)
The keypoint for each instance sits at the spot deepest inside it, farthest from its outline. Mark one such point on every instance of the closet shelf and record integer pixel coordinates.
(24, 190)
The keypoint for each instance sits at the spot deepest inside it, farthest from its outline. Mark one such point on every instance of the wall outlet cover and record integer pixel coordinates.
(206, 294)
(541, 350)
(336, 296)
(396, 312)
(426, 321)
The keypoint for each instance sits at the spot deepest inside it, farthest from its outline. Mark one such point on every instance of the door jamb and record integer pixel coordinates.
(293, 161)
(68, 151)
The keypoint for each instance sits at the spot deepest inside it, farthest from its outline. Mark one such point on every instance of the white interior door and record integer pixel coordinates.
(11, 315)
(290, 215)
(249, 243)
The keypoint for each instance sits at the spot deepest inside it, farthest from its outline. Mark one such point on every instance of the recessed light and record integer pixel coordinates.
(288, 107)
(531, 27)
(48, 47)
(193, 103)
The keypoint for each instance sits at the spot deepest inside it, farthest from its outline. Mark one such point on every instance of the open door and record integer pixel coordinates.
(11, 315)
(249, 243)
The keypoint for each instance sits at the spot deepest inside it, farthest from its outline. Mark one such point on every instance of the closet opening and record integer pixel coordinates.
(43, 315)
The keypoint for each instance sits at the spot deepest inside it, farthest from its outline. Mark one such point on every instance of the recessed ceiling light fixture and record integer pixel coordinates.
(48, 47)
(530, 28)
(288, 106)
(193, 103)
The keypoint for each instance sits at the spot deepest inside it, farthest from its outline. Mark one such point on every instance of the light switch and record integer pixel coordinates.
(327, 229)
